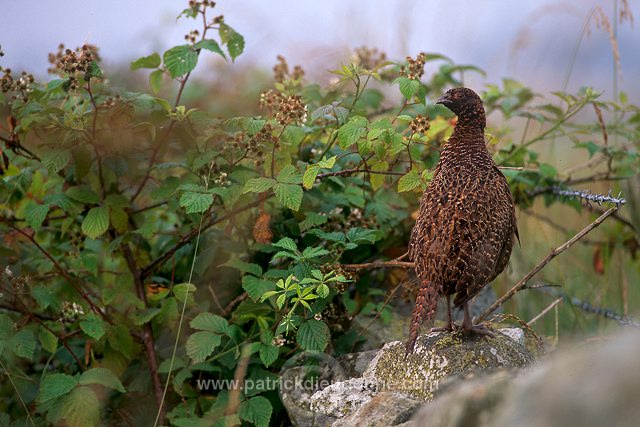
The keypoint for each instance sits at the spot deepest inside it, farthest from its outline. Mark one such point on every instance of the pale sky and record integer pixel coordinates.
(318, 35)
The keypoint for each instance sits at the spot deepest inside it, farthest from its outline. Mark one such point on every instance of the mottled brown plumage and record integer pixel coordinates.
(467, 225)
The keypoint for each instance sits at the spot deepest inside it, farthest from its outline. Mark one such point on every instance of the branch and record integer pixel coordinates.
(144, 272)
(555, 252)
(376, 264)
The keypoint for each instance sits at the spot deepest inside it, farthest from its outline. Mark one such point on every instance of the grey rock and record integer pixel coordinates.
(342, 398)
(385, 409)
(439, 355)
(354, 364)
(591, 386)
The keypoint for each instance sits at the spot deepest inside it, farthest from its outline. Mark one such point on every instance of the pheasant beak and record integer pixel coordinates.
(444, 100)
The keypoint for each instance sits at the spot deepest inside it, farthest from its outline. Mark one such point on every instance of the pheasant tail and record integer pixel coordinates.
(425, 310)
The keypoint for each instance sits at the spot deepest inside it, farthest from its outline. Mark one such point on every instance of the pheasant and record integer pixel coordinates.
(466, 226)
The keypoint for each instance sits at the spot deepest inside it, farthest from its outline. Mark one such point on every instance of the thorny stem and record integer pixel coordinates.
(273, 152)
(72, 281)
(93, 140)
(554, 252)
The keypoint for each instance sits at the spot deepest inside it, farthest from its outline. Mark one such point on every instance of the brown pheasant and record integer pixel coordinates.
(467, 224)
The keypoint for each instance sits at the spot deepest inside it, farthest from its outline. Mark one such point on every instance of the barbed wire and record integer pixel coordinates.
(590, 196)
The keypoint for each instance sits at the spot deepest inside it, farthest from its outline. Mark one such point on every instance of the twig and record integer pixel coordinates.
(192, 234)
(377, 264)
(227, 310)
(555, 252)
(546, 310)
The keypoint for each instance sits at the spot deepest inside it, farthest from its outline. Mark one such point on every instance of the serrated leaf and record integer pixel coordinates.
(244, 267)
(313, 335)
(408, 87)
(255, 287)
(155, 80)
(96, 222)
(409, 181)
(377, 180)
(151, 61)
(196, 202)
(314, 252)
(256, 410)
(182, 290)
(210, 322)
(103, 376)
(351, 131)
(289, 175)
(48, 340)
(253, 126)
(286, 243)
(119, 219)
(268, 354)
(81, 408)
(93, 326)
(35, 215)
(23, 344)
(83, 195)
(289, 195)
(311, 220)
(309, 176)
(323, 291)
(548, 170)
(210, 45)
(146, 316)
(180, 60)
(56, 160)
(281, 300)
(55, 385)
(201, 344)
(120, 340)
(258, 185)
(233, 40)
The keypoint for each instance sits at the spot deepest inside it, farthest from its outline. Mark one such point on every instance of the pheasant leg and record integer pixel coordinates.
(450, 326)
(467, 324)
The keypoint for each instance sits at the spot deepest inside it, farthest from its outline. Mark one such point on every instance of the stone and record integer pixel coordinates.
(441, 354)
(590, 386)
(385, 409)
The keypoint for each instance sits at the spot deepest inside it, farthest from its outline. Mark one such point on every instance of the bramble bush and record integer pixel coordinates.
(110, 197)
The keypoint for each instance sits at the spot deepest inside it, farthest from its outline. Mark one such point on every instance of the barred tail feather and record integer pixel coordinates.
(425, 310)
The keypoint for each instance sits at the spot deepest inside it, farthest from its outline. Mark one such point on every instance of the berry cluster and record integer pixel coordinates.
(281, 71)
(19, 87)
(287, 109)
(70, 312)
(192, 37)
(73, 63)
(368, 58)
(420, 124)
(415, 67)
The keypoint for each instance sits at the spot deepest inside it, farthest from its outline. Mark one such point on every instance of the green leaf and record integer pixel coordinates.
(233, 40)
(314, 252)
(313, 335)
(93, 70)
(83, 195)
(409, 181)
(210, 45)
(180, 60)
(196, 202)
(548, 170)
(269, 353)
(182, 290)
(377, 180)
(258, 185)
(408, 87)
(311, 220)
(351, 131)
(362, 235)
(56, 160)
(286, 243)
(96, 222)
(151, 61)
(255, 287)
(244, 267)
(289, 175)
(120, 340)
(55, 385)
(48, 340)
(253, 126)
(201, 344)
(93, 326)
(323, 291)
(81, 408)
(36, 214)
(309, 176)
(256, 410)
(155, 80)
(289, 195)
(23, 344)
(102, 376)
(210, 322)
(146, 316)
(119, 219)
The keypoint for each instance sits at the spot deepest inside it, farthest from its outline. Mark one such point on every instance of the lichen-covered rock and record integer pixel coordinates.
(301, 377)
(384, 410)
(439, 355)
(354, 364)
(342, 398)
(590, 386)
